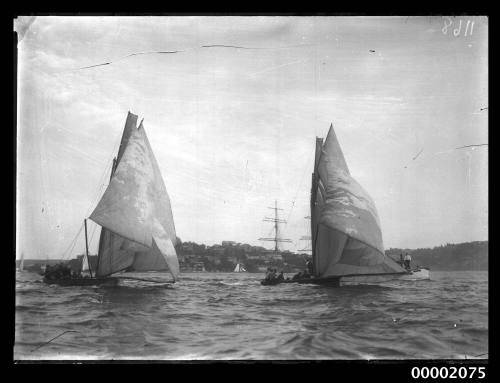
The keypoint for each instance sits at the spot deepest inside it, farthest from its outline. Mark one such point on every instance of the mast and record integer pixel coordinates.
(314, 192)
(276, 239)
(87, 247)
(276, 225)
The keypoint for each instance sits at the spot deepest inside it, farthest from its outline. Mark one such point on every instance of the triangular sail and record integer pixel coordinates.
(163, 229)
(130, 126)
(138, 230)
(126, 208)
(85, 264)
(347, 238)
(314, 192)
(114, 252)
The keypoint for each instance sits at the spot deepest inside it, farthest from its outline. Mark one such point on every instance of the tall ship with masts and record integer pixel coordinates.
(138, 232)
(275, 253)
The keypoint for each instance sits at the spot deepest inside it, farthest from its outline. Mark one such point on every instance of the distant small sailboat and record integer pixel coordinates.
(138, 231)
(347, 246)
(21, 263)
(239, 268)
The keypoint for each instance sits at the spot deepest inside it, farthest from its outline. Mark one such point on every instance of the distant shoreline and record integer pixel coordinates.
(467, 256)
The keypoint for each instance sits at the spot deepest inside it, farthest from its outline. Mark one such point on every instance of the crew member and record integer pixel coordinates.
(280, 276)
(408, 261)
(268, 273)
(309, 265)
(273, 273)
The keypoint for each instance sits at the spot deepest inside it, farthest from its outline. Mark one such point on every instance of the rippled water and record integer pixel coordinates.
(231, 316)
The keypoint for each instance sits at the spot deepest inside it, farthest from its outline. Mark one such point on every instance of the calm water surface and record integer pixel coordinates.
(231, 316)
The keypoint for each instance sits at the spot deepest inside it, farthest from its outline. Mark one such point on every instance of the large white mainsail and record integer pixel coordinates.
(346, 234)
(135, 212)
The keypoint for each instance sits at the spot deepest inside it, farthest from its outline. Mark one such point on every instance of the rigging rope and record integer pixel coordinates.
(73, 243)
(300, 184)
(101, 184)
(99, 189)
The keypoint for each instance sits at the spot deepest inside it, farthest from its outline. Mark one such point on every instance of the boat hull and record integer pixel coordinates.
(417, 274)
(82, 281)
(413, 275)
(329, 281)
(352, 280)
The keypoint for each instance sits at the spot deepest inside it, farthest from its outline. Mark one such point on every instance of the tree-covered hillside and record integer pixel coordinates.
(462, 256)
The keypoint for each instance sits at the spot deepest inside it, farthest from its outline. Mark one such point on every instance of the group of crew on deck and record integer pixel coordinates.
(271, 274)
(60, 271)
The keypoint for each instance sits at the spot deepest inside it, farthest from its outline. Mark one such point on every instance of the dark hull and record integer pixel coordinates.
(82, 281)
(331, 281)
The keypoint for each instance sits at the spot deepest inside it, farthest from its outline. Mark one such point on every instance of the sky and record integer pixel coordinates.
(234, 129)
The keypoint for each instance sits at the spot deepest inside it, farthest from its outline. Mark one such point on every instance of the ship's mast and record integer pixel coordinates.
(276, 221)
(87, 247)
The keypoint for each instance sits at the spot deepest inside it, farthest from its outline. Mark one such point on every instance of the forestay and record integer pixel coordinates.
(347, 238)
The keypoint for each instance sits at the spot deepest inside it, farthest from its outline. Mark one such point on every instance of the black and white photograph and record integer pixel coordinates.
(251, 188)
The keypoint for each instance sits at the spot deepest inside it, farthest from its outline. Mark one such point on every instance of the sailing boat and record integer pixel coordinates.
(345, 227)
(21, 264)
(347, 245)
(138, 232)
(239, 268)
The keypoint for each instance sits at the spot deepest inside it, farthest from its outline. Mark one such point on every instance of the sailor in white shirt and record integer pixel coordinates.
(407, 260)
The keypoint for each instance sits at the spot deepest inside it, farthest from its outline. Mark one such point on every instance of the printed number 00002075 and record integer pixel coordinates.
(448, 372)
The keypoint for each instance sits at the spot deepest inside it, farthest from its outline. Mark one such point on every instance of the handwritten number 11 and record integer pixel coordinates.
(456, 31)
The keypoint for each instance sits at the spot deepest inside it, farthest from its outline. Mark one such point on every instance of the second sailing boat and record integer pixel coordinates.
(346, 238)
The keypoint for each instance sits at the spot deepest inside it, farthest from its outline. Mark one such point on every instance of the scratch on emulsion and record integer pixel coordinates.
(186, 50)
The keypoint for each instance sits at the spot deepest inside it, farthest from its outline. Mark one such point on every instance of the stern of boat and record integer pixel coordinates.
(354, 280)
(421, 273)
